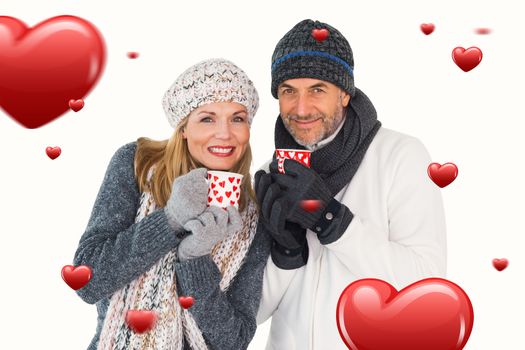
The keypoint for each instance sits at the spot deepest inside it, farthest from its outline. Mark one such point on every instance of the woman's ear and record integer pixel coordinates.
(184, 133)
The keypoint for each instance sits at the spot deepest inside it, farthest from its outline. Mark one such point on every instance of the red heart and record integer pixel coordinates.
(141, 321)
(467, 59)
(431, 314)
(311, 205)
(76, 277)
(320, 34)
(235, 188)
(53, 152)
(209, 176)
(133, 55)
(44, 66)
(76, 105)
(222, 184)
(427, 28)
(442, 175)
(213, 185)
(500, 264)
(483, 31)
(209, 199)
(215, 178)
(219, 199)
(232, 202)
(228, 193)
(237, 194)
(215, 192)
(186, 302)
(238, 181)
(231, 179)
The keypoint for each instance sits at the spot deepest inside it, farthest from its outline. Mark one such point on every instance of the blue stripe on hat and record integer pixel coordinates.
(314, 53)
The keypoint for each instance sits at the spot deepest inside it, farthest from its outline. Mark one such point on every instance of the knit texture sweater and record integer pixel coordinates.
(119, 250)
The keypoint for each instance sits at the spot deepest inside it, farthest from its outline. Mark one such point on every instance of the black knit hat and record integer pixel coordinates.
(313, 50)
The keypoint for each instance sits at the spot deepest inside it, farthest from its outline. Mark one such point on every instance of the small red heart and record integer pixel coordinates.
(219, 199)
(186, 302)
(238, 181)
(228, 193)
(232, 202)
(76, 105)
(467, 59)
(427, 28)
(431, 314)
(53, 152)
(311, 205)
(442, 175)
(215, 192)
(209, 176)
(231, 179)
(320, 34)
(235, 188)
(222, 183)
(213, 185)
(500, 264)
(76, 277)
(483, 31)
(237, 194)
(141, 321)
(133, 55)
(215, 178)
(209, 199)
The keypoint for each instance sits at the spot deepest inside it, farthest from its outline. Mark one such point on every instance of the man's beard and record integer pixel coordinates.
(329, 126)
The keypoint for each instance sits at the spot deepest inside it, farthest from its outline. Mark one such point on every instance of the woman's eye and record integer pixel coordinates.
(239, 119)
(206, 120)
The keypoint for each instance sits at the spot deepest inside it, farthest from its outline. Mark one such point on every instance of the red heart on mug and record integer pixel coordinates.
(44, 66)
(215, 192)
(231, 179)
(186, 302)
(53, 152)
(320, 34)
(427, 28)
(215, 178)
(431, 314)
(219, 199)
(442, 175)
(209, 199)
(141, 321)
(76, 277)
(76, 105)
(213, 185)
(238, 181)
(237, 194)
(232, 202)
(467, 59)
(222, 183)
(228, 193)
(235, 188)
(500, 264)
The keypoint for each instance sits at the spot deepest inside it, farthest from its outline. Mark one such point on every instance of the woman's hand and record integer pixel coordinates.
(188, 199)
(207, 230)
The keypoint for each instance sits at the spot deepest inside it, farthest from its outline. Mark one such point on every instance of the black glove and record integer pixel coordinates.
(290, 248)
(299, 183)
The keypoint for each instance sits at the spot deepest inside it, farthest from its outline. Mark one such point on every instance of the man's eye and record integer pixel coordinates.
(317, 90)
(287, 91)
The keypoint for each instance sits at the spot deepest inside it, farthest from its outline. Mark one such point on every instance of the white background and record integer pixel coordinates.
(473, 119)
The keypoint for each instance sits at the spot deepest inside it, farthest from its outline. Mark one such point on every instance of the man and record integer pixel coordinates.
(377, 214)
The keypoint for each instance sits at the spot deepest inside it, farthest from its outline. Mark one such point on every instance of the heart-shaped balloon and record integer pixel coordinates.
(442, 175)
(431, 314)
(467, 59)
(44, 67)
(76, 277)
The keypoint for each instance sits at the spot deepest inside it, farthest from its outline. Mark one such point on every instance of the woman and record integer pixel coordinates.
(151, 237)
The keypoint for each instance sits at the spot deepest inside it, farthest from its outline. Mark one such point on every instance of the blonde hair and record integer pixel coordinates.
(172, 159)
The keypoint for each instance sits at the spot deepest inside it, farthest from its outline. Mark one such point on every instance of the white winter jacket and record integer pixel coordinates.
(397, 234)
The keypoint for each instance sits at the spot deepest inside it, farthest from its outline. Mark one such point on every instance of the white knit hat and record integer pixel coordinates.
(213, 80)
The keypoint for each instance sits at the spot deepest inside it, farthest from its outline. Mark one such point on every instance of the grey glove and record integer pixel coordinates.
(188, 199)
(207, 230)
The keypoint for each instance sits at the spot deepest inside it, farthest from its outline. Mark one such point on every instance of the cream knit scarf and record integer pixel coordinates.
(155, 290)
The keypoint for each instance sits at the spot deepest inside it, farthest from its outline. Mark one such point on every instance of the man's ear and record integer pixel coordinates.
(345, 99)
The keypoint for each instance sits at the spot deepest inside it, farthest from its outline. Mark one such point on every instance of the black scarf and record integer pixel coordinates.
(338, 161)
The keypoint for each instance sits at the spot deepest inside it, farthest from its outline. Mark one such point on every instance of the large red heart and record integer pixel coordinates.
(44, 67)
(76, 277)
(467, 59)
(431, 314)
(442, 175)
(141, 321)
